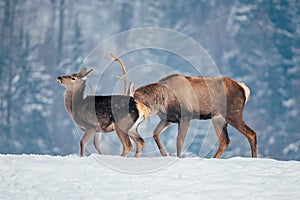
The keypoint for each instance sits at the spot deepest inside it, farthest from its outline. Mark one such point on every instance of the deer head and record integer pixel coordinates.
(69, 81)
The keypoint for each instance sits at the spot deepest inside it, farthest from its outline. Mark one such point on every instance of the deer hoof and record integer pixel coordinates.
(164, 153)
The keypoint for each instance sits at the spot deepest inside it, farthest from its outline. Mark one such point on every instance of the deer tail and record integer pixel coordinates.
(246, 91)
(143, 110)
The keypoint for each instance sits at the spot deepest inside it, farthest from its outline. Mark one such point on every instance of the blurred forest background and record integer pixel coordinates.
(256, 42)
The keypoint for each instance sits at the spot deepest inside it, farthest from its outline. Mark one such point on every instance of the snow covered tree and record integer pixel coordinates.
(256, 42)
(264, 30)
(25, 85)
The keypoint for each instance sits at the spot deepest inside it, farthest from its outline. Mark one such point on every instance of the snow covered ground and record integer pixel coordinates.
(114, 177)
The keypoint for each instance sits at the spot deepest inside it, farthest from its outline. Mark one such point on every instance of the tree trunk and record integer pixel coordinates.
(60, 31)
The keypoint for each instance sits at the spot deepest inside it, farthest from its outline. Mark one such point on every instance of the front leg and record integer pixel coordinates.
(138, 140)
(87, 136)
(158, 130)
(183, 126)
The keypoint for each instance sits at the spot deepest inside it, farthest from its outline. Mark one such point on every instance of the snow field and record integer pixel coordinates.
(114, 177)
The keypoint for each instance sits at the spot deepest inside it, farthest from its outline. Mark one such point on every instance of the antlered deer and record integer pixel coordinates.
(102, 113)
(178, 99)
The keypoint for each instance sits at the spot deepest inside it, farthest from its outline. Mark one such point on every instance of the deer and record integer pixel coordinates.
(94, 114)
(177, 98)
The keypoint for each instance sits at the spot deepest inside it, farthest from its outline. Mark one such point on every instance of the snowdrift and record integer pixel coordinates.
(114, 177)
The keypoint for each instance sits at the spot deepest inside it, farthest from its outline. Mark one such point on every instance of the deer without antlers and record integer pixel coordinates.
(178, 99)
(95, 114)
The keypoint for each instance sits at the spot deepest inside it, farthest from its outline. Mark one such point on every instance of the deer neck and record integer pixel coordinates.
(74, 97)
(78, 90)
(68, 101)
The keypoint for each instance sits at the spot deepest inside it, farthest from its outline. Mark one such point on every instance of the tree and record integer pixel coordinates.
(24, 84)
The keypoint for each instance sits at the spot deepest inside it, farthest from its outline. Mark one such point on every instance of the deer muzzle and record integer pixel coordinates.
(59, 80)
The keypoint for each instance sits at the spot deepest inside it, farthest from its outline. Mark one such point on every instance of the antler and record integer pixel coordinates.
(92, 90)
(115, 58)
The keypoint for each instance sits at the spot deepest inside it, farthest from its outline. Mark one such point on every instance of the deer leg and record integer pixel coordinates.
(158, 130)
(87, 136)
(138, 140)
(124, 138)
(183, 126)
(248, 132)
(97, 139)
(221, 130)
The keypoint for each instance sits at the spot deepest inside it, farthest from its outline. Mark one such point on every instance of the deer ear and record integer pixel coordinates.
(87, 74)
(82, 72)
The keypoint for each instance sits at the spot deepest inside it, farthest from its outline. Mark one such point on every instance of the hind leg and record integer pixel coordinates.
(220, 126)
(97, 139)
(124, 138)
(250, 134)
(138, 140)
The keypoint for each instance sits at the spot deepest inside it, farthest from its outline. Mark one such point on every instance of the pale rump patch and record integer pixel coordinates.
(246, 90)
(143, 110)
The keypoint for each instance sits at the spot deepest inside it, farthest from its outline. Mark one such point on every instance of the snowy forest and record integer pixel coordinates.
(255, 42)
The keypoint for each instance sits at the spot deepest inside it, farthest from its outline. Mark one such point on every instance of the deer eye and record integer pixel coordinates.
(73, 78)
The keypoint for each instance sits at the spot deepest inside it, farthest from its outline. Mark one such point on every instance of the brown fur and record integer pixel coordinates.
(178, 99)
